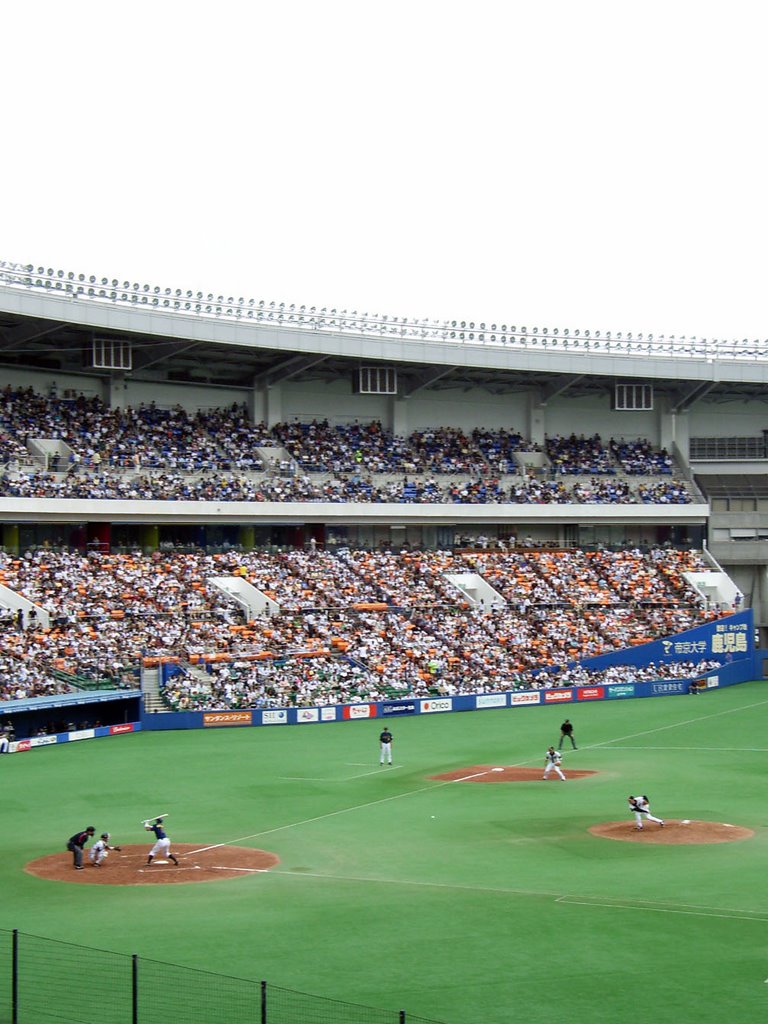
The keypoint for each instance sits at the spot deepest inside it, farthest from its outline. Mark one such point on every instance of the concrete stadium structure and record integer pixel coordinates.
(703, 400)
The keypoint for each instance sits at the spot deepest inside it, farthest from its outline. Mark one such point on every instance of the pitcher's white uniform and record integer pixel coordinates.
(641, 808)
(552, 760)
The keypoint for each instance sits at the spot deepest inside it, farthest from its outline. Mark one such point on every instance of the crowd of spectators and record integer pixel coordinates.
(351, 624)
(220, 455)
(218, 486)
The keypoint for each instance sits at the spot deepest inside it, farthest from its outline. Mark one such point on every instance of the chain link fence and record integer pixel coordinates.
(49, 982)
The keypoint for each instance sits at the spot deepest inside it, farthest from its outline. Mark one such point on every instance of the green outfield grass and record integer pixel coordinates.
(462, 902)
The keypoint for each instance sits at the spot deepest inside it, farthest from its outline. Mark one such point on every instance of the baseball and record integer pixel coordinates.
(433, 815)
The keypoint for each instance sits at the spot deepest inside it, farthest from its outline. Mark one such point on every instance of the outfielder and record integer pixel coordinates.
(385, 746)
(552, 760)
(99, 851)
(162, 842)
(641, 808)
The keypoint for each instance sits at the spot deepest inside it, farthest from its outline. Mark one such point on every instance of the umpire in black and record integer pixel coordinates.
(566, 731)
(77, 842)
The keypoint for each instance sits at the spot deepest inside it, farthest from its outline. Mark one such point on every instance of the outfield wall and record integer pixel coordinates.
(728, 675)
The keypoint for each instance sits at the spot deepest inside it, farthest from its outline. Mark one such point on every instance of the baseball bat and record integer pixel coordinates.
(154, 817)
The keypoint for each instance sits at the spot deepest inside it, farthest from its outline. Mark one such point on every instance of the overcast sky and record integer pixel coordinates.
(572, 163)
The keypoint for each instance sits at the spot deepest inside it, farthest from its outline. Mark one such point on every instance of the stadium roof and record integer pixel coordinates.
(49, 320)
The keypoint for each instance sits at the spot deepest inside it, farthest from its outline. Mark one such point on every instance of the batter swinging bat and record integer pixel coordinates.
(154, 818)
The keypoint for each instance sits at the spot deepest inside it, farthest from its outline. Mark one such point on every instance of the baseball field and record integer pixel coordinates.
(438, 885)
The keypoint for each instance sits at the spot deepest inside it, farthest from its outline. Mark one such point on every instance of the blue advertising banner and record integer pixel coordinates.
(724, 640)
(401, 707)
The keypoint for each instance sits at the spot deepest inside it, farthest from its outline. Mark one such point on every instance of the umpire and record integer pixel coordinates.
(566, 732)
(77, 842)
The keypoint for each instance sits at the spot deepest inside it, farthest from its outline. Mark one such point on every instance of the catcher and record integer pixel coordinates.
(99, 852)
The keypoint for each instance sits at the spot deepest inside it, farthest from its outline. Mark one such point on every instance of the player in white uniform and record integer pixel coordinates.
(552, 760)
(99, 851)
(641, 808)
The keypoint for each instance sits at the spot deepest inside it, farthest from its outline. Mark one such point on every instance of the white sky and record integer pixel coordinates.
(560, 163)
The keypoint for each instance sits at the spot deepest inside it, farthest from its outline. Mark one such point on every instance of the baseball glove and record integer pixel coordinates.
(118, 848)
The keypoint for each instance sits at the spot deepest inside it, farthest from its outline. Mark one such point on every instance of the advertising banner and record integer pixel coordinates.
(307, 715)
(620, 690)
(491, 700)
(359, 711)
(278, 716)
(667, 686)
(429, 707)
(557, 696)
(402, 707)
(217, 718)
(527, 697)
(729, 639)
(116, 730)
(590, 693)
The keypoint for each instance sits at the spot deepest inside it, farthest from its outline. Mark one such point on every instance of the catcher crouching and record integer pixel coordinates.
(99, 852)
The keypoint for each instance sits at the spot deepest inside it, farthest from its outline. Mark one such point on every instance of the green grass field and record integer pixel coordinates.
(457, 901)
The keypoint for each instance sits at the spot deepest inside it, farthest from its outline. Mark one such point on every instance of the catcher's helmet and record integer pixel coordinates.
(105, 835)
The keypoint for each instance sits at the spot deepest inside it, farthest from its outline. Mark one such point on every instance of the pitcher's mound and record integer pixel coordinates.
(197, 863)
(499, 773)
(674, 833)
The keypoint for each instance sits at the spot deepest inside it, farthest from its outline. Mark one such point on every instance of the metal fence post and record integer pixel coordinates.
(263, 1002)
(134, 988)
(402, 1017)
(15, 977)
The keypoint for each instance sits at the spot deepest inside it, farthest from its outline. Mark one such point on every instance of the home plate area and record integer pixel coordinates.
(198, 862)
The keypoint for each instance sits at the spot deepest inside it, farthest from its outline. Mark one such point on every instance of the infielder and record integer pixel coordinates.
(162, 842)
(552, 760)
(641, 808)
(100, 849)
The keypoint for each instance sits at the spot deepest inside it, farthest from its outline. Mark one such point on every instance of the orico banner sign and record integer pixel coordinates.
(212, 718)
(557, 696)
(441, 704)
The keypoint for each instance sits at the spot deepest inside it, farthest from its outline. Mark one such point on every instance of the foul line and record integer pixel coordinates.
(329, 814)
(676, 725)
(658, 906)
(346, 778)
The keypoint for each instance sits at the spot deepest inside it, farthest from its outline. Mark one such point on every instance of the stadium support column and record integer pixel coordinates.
(399, 414)
(265, 403)
(537, 418)
(11, 538)
(150, 537)
(247, 537)
(115, 391)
